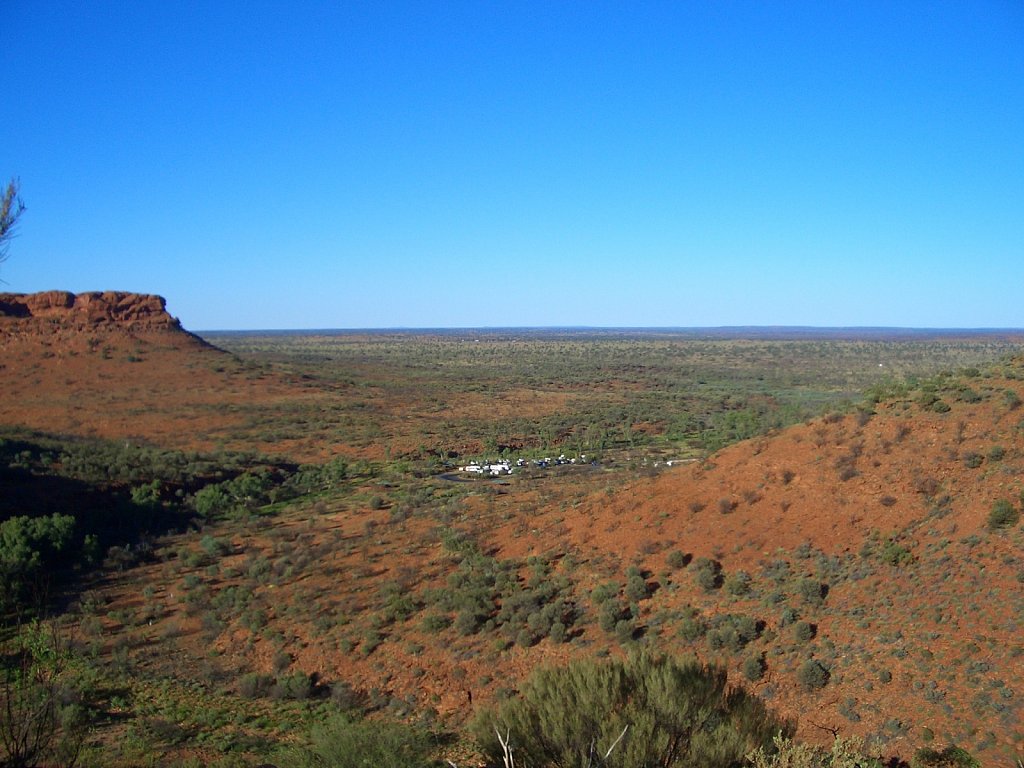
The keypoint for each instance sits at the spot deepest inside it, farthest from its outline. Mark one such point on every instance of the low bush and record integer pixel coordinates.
(950, 757)
(342, 742)
(1002, 515)
(708, 573)
(653, 710)
(813, 675)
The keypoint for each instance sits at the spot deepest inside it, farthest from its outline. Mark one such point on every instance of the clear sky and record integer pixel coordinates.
(411, 164)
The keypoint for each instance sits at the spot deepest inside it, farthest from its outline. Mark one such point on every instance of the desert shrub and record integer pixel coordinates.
(252, 685)
(812, 675)
(211, 501)
(342, 742)
(610, 613)
(625, 630)
(788, 616)
(602, 592)
(636, 585)
(896, 554)
(848, 709)
(676, 559)
(45, 692)
(997, 453)
(754, 667)
(558, 632)
(1002, 515)
(667, 712)
(214, 547)
(344, 696)
(738, 583)
(812, 591)
(282, 660)
(732, 631)
(708, 573)
(435, 622)
(803, 631)
(968, 395)
(692, 626)
(847, 472)
(930, 401)
(973, 460)
(950, 757)
(28, 546)
(296, 687)
(785, 753)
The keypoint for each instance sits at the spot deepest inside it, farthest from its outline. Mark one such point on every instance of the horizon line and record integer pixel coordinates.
(685, 329)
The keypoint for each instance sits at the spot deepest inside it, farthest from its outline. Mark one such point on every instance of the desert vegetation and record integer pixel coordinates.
(833, 571)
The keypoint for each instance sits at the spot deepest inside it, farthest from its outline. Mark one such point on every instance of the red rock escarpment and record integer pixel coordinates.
(131, 311)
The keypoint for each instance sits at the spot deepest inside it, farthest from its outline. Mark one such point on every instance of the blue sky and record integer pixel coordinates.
(405, 164)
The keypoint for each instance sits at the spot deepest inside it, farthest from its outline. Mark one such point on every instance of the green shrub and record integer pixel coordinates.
(812, 675)
(668, 713)
(973, 460)
(296, 686)
(708, 573)
(692, 627)
(732, 631)
(636, 585)
(738, 584)
(812, 591)
(28, 546)
(896, 554)
(45, 698)
(1003, 515)
(785, 753)
(803, 631)
(950, 757)
(676, 559)
(344, 743)
(435, 622)
(754, 667)
(211, 501)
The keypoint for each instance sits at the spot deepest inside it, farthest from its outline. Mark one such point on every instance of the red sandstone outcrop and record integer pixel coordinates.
(131, 311)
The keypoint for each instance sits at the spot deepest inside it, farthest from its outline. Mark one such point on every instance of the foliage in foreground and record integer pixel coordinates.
(785, 753)
(674, 713)
(344, 743)
(44, 691)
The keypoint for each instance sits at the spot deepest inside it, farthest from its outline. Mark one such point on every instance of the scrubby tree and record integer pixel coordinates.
(44, 695)
(28, 545)
(655, 710)
(11, 208)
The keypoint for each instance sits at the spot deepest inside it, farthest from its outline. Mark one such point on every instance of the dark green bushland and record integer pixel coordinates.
(674, 713)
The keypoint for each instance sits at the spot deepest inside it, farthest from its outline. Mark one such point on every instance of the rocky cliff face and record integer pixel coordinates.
(131, 311)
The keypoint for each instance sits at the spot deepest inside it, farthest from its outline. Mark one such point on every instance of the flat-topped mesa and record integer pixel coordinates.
(132, 311)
